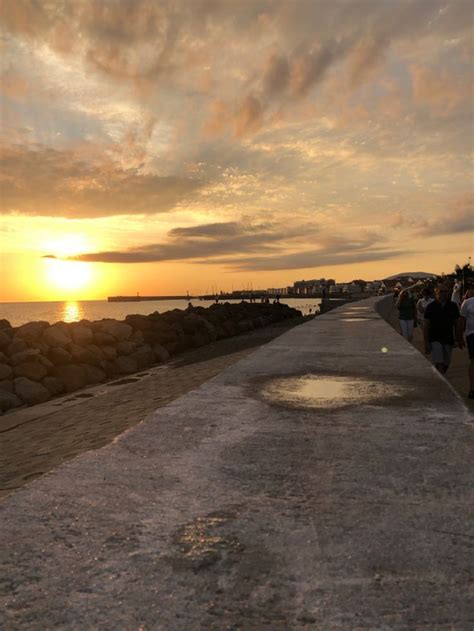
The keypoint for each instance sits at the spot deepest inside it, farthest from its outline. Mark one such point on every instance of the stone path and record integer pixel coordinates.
(324, 482)
(37, 439)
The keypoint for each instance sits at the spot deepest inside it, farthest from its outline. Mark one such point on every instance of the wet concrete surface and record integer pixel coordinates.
(231, 508)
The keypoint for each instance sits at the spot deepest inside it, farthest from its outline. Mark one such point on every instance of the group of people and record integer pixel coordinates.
(447, 321)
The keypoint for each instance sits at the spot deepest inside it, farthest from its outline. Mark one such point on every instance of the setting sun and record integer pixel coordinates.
(69, 276)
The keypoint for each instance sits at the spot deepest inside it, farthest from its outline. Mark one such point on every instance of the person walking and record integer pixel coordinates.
(407, 314)
(467, 326)
(456, 295)
(441, 328)
(423, 302)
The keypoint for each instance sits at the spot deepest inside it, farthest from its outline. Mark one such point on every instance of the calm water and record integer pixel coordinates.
(20, 312)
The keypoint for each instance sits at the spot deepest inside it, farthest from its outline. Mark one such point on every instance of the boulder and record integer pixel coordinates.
(4, 324)
(72, 376)
(124, 365)
(101, 338)
(60, 356)
(192, 323)
(56, 335)
(16, 346)
(31, 330)
(93, 374)
(33, 370)
(46, 362)
(6, 371)
(3, 358)
(126, 348)
(8, 400)
(138, 322)
(5, 339)
(82, 335)
(137, 338)
(54, 385)
(81, 355)
(6, 384)
(161, 354)
(24, 356)
(109, 352)
(144, 356)
(29, 391)
(199, 338)
(118, 330)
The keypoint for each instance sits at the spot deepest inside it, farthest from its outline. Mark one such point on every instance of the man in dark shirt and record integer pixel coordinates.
(441, 326)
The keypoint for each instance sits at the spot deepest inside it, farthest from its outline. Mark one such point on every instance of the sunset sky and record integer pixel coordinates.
(179, 145)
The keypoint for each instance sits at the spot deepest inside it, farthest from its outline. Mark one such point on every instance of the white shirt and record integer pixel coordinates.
(456, 295)
(423, 303)
(467, 311)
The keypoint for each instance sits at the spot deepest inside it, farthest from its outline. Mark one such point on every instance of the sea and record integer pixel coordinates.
(18, 313)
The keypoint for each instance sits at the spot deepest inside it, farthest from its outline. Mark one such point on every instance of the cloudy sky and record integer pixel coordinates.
(192, 144)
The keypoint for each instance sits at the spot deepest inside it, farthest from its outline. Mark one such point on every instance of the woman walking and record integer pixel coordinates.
(407, 314)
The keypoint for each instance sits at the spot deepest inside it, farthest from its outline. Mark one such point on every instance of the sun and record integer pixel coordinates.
(60, 272)
(68, 276)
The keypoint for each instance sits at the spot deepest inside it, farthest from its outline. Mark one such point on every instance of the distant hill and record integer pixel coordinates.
(411, 275)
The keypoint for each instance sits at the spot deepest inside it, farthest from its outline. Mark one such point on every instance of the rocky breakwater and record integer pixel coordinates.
(39, 360)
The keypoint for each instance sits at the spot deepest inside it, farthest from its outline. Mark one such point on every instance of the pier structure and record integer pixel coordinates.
(322, 482)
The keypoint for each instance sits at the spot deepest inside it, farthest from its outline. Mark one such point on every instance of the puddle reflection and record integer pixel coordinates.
(313, 391)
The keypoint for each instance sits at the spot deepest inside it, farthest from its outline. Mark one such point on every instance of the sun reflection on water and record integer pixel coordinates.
(72, 312)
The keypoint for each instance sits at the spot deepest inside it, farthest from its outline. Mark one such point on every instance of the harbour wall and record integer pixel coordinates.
(39, 360)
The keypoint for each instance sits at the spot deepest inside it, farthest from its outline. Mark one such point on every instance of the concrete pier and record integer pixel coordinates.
(323, 482)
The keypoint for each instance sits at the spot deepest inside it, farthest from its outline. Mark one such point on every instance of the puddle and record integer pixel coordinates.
(314, 391)
(353, 319)
(122, 382)
(201, 544)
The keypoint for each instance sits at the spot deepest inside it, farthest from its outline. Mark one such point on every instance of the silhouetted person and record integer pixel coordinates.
(441, 325)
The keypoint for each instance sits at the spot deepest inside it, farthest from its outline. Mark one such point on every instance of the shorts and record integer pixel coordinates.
(441, 353)
(470, 345)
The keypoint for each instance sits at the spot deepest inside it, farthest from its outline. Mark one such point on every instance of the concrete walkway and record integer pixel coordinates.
(261, 501)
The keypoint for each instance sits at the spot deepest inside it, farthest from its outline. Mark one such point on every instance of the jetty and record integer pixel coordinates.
(322, 482)
(138, 298)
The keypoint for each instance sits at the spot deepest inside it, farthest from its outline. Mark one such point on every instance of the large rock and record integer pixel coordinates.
(24, 356)
(54, 385)
(16, 345)
(125, 364)
(57, 335)
(137, 338)
(144, 356)
(138, 322)
(118, 330)
(72, 376)
(6, 371)
(8, 400)
(82, 335)
(7, 384)
(102, 339)
(33, 369)
(46, 362)
(93, 374)
(109, 352)
(4, 324)
(126, 348)
(60, 356)
(161, 354)
(5, 339)
(81, 355)
(29, 391)
(31, 330)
